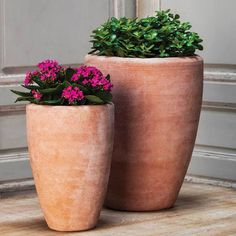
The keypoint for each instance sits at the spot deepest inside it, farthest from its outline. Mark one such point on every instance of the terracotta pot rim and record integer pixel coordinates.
(70, 107)
(187, 59)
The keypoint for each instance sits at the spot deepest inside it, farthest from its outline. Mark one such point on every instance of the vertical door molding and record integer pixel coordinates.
(121, 8)
(1, 33)
(147, 7)
(118, 7)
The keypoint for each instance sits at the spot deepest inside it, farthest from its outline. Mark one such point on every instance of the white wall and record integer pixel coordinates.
(32, 31)
(215, 20)
(35, 30)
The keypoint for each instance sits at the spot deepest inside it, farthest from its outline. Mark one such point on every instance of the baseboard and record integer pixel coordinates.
(14, 166)
(207, 167)
(213, 164)
(16, 187)
(210, 181)
(24, 185)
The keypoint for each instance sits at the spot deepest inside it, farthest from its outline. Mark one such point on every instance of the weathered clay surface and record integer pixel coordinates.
(70, 152)
(158, 103)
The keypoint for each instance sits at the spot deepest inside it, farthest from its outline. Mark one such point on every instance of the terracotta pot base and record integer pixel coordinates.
(65, 228)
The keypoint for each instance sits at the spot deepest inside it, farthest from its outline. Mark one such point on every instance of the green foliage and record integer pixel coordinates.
(162, 35)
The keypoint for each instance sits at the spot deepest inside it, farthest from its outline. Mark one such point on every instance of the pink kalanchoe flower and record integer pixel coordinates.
(105, 83)
(93, 77)
(49, 69)
(36, 94)
(95, 81)
(27, 80)
(48, 65)
(72, 94)
(83, 71)
(93, 70)
(86, 71)
(108, 86)
(85, 81)
(43, 77)
(29, 76)
(101, 81)
(35, 73)
(74, 77)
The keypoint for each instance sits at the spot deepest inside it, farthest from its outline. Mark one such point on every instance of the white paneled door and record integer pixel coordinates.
(32, 31)
(215, 21)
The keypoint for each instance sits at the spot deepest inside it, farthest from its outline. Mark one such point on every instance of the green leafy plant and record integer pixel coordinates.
(162, 35)
(53, 84)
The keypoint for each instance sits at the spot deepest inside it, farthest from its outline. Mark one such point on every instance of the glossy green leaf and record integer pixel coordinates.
(52, 102)
(23, 94)
(105, 96)
(143, 37)
(69, 73)
(36, 87)
(82, 88)
(94, 99)
(39, 82)
(57, 89)
(21, 99)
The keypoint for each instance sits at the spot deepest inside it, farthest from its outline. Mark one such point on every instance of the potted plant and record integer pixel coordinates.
(70, 139)
(158, 82)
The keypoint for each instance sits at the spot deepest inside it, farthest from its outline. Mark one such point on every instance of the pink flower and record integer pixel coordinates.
(85, 81)
(93, 77)
(36, 94)
(74, 77)
(72, 94)
(48, 65)
(95, 81)
(49, 69)
(29, 76)
(43, 77)
(101, 81)
(108, 87)
(52, 77)
(27, 80)
(86, 71)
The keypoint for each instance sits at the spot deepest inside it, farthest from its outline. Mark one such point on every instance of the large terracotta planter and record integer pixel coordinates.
(70, 152)
(158, 102)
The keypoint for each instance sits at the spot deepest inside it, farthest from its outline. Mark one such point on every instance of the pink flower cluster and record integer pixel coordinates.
(92, 76)
(72, 94)
(36, 94)
(49, 69)
(29, 76)
(53, 84)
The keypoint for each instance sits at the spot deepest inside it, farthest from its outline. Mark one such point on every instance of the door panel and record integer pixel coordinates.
(214, 20)
(216, 128)
(32, 31)
(12, 130)
(60, 29)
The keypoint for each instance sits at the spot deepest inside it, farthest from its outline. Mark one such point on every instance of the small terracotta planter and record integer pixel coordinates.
(158, 102)
(70, 151)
